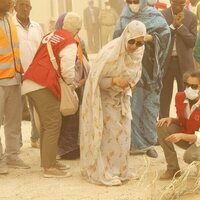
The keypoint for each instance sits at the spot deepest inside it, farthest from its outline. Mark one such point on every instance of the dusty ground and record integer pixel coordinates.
(30, 185)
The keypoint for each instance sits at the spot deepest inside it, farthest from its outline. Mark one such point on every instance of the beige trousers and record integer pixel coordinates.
(47, 107)
(106, 34)
(191, 154)
(10, 117)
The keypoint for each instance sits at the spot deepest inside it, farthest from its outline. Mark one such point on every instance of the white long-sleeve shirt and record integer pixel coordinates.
(188, 112)
(197, 133)
(67, 64)
(29, 41)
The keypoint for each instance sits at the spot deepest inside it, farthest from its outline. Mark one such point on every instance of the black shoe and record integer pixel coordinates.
(152, 153)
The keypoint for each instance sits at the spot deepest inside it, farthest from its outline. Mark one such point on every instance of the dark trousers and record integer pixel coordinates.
(173, 72)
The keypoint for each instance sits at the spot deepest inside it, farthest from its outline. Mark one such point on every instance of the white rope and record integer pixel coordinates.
(179, 186)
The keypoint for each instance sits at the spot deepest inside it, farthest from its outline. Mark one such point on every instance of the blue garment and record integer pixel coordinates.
(197, 49)
(146, 97)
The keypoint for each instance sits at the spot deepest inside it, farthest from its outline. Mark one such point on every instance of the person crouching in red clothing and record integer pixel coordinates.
(184, 131)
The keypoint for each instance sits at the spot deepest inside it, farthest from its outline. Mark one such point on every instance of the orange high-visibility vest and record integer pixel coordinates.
(79, 51)
(9, 52)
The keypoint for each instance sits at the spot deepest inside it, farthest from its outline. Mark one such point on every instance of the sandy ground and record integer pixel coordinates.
(30, 185)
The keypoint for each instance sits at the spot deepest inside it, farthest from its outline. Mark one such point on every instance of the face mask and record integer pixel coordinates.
(191, 94)
(134, 7)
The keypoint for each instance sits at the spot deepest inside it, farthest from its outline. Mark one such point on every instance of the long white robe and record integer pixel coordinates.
(106, 114)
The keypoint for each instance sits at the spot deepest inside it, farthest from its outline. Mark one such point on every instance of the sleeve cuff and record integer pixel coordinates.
(197, 142)
(172, 27)
(180, 26)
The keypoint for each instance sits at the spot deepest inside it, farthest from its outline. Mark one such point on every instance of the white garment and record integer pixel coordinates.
(197, 142)
(29, 41)
(92, 14)
(188, 112)
(105, 126)
(67, 64)
(174, 51)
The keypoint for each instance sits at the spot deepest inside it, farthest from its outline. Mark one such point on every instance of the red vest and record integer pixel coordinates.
(41, 69)
(160, 6)
(188, 125)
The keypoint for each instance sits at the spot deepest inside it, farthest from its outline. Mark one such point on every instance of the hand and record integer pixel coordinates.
(174, 138)
(167, 120)
(148, 38)
(178, 19)
(120, 82)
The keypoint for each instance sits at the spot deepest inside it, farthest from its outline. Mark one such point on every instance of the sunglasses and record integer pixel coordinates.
(177, 4)
(193, 86)
(137, 43)
(133, 2)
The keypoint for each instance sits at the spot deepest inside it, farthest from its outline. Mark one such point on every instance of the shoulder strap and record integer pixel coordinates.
(50, 51)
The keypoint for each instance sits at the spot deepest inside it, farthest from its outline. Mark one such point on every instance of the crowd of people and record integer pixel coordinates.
(124, 96)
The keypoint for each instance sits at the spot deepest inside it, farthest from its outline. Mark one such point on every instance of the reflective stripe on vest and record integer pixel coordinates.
(79, 50)
(194, 10)
(9, 52)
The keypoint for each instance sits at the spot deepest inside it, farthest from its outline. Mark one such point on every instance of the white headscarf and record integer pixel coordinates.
(151, 2)
(72, 22)
(113, 58)
(116, 49)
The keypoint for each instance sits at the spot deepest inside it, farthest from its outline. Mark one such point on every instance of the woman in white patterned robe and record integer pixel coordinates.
(105, 121)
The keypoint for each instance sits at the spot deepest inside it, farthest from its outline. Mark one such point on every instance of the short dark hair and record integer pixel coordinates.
(194, 74)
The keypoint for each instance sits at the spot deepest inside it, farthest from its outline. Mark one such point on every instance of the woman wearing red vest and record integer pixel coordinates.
(68, 147)
(43, 89)
(184, 130)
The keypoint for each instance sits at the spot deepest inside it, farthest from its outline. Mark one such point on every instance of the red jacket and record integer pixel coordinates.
(188, 125)
(160, 6)
(41, 69)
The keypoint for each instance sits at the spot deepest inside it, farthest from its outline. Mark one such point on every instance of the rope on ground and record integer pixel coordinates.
(148, 187)
(179, 186)
(147, 167)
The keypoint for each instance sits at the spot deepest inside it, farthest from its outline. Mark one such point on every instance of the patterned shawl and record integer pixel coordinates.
(111, 58)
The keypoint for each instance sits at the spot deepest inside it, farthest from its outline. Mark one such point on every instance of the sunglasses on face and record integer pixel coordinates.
(131, 2)
(177, 4)
(137, 43)
(193, 86)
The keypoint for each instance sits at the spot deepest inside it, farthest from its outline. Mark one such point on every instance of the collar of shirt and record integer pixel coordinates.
(172, 12)
(188, 110)
(25, 27)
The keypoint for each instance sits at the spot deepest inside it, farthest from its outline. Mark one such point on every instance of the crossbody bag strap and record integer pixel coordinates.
(51, 54)
(53, 59)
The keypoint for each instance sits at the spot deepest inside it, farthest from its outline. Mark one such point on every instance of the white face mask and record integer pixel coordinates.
(191, 94)
(134, 7)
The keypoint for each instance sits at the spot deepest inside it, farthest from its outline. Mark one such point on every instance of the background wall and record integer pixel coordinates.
(44, 11)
